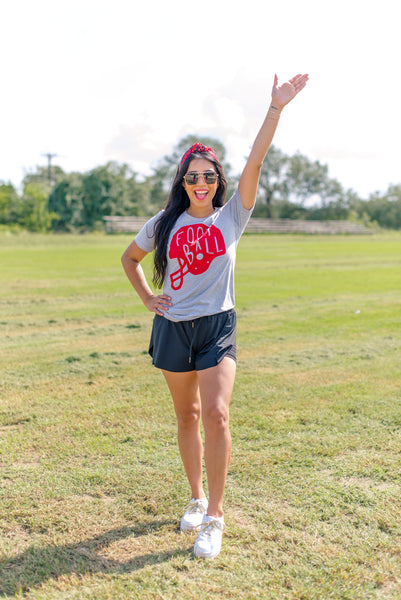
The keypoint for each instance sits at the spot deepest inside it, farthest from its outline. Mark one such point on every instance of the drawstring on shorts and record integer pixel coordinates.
(192, 341)
(194, 332)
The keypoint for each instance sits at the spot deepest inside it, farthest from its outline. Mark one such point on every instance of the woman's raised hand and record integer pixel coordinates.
(283, 94)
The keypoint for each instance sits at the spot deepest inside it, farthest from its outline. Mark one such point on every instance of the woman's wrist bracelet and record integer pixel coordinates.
(273, 113)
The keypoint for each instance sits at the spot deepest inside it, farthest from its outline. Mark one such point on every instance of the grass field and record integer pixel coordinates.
(92, 486)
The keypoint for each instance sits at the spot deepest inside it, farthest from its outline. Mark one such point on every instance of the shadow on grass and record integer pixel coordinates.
(36, 565)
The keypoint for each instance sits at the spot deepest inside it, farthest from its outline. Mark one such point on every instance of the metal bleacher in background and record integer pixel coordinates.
(255, 225)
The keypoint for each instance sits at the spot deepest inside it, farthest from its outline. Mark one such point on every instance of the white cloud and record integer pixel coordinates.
(95, 80)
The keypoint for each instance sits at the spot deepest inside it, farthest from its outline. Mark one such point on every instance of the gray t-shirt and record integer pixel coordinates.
(200, 260)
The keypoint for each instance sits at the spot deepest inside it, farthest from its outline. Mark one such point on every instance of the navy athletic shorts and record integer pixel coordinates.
(201, 343)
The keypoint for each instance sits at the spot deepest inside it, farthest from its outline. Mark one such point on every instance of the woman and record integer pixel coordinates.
(194, 328)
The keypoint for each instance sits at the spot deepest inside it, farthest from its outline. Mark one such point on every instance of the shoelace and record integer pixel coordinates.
(207, 528)
(196, 506)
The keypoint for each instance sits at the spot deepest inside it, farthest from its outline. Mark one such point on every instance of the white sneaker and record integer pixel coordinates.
(208, 544)
(194, 513)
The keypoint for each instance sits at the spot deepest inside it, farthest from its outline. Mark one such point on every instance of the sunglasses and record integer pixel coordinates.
(192, 178)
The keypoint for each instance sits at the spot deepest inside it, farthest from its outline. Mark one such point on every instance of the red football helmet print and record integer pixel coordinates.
(194, 246)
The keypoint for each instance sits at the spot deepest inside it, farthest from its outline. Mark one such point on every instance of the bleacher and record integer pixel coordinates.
(256, 225)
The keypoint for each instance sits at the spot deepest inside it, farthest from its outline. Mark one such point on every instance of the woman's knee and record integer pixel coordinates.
(188, 418)
(216, 417)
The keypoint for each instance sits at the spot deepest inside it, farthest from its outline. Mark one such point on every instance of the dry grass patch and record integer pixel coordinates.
(92, 483)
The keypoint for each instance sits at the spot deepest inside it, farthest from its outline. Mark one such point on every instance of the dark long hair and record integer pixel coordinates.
(177, 202)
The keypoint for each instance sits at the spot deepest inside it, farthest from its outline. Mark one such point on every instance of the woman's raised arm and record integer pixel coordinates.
(281, 95)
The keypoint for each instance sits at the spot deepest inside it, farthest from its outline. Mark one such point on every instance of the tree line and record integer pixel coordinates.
(291, 187)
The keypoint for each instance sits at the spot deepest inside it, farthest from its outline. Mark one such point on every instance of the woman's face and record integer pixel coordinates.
(201, 194)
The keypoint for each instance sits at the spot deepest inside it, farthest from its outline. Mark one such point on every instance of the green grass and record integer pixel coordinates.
(92, 486)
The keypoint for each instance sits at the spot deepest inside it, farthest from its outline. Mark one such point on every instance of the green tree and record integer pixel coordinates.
(384, 209)
(156, 189)
(296, 187)
(82, 200)
(41, 175)
(334, 206)
(273, 184)
(140, 198)
(308, 180)
(34, 214)
(66, 201)
(8, 203)
(112, 189)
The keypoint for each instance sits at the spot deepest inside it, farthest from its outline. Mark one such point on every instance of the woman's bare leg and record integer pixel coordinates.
(216, 385)
(185, 393)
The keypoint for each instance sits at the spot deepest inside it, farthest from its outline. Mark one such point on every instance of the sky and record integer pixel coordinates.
(97, 80)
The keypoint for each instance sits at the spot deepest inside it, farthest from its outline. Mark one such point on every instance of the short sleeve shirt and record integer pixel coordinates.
(200, 259)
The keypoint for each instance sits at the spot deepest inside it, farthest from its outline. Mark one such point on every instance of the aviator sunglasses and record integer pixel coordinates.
(192, 178)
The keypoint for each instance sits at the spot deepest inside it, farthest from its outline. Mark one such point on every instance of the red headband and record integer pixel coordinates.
(198, 148)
